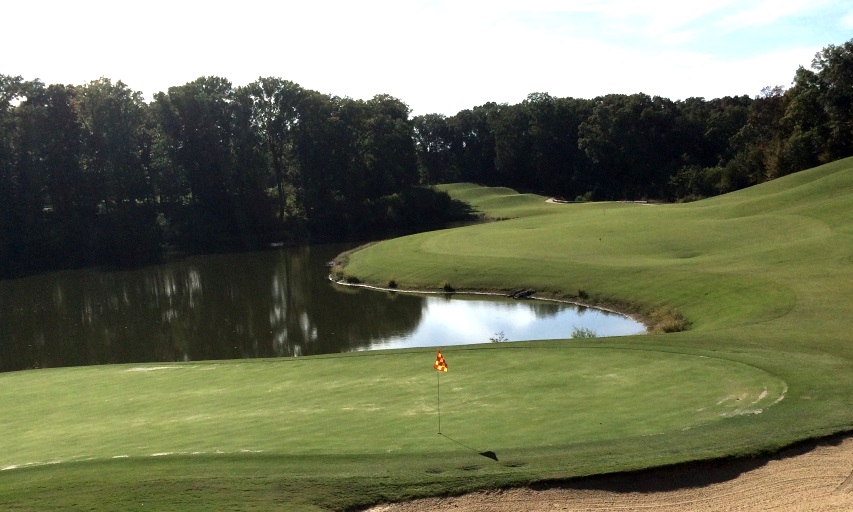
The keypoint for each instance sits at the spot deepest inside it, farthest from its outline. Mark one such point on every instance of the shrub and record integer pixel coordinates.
(499, 337)
(667, 319)
(586, 197)
(583, 333)
(337, 272)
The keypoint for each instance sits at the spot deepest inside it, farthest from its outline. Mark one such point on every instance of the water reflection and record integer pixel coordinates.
(268, 304)
(465, 320)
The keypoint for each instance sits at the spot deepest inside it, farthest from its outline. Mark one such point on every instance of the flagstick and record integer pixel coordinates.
(438, 386)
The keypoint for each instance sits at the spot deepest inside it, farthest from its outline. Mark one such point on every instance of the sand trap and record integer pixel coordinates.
(817, 477)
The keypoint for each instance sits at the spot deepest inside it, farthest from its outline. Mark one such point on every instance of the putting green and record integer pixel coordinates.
(364, 404)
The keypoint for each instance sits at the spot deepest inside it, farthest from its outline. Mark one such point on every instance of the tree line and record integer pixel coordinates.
(94, 175)
(638, 146)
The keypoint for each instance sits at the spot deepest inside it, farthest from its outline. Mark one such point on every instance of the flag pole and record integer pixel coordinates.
(438, 387)
(441, 366)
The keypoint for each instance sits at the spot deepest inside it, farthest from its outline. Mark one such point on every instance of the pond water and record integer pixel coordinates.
(265, 304)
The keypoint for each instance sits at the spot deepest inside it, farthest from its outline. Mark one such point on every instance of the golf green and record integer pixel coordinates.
(364, 404)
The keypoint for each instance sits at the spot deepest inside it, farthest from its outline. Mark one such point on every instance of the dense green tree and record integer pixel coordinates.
(804, 142)
(11, 90)
(510, 125)
(197, 120)
(725, 117)
(834, 68)
(253, 207)
(756, 145)
(632, 140)
(350, 154)
(473, 144)
(112, 120)
(433, 143)
(115, 161)
(56, 207)
(198, 123)
(558, 164)
(706, 128)
(324, 147)
(390, 152)
(276, 104)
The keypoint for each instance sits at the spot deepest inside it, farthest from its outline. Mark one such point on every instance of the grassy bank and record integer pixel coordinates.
(765, 276)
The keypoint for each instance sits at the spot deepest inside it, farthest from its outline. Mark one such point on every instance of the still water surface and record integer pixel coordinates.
(266, 304)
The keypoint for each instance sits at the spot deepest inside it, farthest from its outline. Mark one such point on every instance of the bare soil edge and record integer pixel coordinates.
(814, 476)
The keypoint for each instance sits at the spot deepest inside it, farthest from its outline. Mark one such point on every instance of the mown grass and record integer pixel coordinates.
(193, 429)
(764, 277)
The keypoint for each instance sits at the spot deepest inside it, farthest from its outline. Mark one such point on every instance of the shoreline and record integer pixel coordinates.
(636, 316)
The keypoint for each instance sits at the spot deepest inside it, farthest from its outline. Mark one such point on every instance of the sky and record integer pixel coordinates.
(437, 56)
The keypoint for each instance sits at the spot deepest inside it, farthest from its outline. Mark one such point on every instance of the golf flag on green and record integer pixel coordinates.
(440, 363)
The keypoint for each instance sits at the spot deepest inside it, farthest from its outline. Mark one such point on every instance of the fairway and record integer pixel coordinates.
(763, 278)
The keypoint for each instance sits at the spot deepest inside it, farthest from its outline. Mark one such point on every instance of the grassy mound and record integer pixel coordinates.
(765, 276)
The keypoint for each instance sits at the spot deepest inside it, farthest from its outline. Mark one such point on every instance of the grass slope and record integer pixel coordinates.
(764, 275)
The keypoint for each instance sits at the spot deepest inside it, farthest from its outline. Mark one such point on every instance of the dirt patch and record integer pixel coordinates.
(815, 477)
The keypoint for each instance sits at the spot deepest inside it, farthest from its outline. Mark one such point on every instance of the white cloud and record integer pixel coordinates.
(438, 56)
(767, 12)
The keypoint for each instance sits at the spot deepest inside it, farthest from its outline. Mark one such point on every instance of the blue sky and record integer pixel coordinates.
(437, 56)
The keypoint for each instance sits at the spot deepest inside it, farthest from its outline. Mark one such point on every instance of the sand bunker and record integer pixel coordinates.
(817, 477)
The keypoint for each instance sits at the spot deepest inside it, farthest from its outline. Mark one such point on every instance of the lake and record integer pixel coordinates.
(275, 303)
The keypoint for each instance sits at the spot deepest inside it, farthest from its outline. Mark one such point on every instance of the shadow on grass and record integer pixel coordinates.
(488, 454)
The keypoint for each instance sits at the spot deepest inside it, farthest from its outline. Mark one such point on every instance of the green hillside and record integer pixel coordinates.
(764, 275)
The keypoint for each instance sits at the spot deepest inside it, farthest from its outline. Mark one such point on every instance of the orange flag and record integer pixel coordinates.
(440, 363)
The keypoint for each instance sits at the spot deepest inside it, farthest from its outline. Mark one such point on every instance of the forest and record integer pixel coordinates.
(93, 175)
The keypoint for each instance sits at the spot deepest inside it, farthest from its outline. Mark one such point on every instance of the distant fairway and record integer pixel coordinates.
(764, 275)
